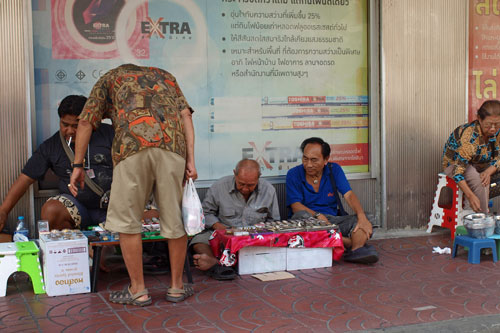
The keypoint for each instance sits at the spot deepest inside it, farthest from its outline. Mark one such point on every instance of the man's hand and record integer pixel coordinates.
(190, 171)
(3, 219)
(218, 226)
(77, 177)
(322, 217)
(364, 225)
(475, 204)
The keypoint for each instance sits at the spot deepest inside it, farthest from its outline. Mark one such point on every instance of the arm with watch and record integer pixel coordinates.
(83, 135)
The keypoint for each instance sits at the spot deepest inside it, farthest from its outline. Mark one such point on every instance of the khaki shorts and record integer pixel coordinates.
(152, 170)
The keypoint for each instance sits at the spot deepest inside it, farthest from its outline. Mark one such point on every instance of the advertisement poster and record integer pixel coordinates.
(261, 75)
(484, 52)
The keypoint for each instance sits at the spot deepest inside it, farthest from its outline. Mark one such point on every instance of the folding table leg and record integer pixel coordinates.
(187, 269)
(95, 268)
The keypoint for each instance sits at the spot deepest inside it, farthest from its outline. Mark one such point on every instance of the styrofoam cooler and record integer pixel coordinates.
(307, 258)
(261, 259)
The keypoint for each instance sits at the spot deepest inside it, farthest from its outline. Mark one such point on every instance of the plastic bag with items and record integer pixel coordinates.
(192, 212)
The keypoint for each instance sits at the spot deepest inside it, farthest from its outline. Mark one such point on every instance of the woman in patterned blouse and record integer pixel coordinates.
(471, 155)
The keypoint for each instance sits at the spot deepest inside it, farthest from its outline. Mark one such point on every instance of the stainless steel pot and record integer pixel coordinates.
(479, 225)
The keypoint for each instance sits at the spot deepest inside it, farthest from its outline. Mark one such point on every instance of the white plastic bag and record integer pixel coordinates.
(192, 212)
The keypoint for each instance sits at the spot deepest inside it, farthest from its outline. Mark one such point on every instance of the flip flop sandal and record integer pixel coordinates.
(363, 255)
(221, 273)
(185, 293)
(126, 297)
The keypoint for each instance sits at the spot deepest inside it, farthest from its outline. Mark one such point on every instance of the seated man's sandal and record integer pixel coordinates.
(221, 273)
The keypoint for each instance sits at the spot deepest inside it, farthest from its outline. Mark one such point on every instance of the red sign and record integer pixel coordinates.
(306, 99)
(484, 52)
(350, 154)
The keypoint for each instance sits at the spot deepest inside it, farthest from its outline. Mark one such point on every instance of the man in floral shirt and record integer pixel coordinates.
(153, 151)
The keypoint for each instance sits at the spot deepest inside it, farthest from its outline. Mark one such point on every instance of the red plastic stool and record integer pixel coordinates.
(447, 209)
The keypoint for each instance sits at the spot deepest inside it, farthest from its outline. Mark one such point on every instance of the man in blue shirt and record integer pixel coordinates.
(309, 192)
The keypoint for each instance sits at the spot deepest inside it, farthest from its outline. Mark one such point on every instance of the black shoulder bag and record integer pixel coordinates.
(89, 182)
(340, 208)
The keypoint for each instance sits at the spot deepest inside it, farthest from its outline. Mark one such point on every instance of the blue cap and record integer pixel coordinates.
(20, 217)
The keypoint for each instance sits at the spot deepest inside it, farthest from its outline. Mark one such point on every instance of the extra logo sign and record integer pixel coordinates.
(159, 28)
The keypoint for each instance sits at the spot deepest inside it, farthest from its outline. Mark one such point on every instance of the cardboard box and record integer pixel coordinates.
(65, 265)
(261, 259)
(307, 258)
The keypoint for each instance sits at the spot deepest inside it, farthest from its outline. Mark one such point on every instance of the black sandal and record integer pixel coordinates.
(221, 273)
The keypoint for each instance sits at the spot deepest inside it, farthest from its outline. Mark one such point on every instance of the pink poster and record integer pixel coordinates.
(98, 29)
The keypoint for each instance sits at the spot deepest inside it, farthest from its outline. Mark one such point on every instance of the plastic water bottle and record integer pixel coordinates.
(21, 227)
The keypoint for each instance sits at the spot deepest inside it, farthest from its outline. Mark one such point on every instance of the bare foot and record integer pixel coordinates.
(204, 262)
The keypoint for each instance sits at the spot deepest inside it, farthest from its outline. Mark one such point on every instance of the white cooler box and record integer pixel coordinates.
(262, 259)
(65, 265)
(307, 258)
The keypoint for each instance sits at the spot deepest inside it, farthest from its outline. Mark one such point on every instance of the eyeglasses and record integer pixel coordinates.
(489, 125)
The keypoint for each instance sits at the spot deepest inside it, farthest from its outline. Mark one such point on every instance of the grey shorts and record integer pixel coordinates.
(203, 237)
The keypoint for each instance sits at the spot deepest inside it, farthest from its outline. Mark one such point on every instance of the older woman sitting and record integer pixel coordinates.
(471, 155)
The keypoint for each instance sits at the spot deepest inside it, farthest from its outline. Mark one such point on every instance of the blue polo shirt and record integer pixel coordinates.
(299, 190)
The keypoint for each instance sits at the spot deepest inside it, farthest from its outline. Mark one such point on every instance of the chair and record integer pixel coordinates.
(20, 257)
(447, 209)
(475, 245)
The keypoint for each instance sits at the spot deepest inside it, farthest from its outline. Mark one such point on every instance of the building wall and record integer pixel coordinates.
(15, 118)
(423, 80)
(424, 72)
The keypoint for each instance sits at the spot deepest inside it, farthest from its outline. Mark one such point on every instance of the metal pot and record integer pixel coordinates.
(479, 225)
(497, 224)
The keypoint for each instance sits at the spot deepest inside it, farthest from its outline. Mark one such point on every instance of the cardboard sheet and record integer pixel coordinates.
(274, 276)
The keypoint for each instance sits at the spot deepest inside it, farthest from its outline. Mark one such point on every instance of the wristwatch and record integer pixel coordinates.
(317, 214)
(77, 165)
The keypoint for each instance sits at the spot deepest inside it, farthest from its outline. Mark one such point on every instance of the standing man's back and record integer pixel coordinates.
(153, 151)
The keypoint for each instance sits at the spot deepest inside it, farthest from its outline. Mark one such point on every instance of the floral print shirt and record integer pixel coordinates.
(144, 104)
(466, 145)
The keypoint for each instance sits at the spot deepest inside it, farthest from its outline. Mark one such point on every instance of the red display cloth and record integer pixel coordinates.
(225, 247)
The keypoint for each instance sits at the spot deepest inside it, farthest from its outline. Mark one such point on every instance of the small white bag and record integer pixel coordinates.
(192, 212)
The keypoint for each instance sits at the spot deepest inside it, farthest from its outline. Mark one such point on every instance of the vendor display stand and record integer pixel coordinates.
(225, 247)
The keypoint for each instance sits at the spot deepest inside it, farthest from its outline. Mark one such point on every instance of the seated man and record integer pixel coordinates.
(309, 192)
(233, 201)
(64, 210)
